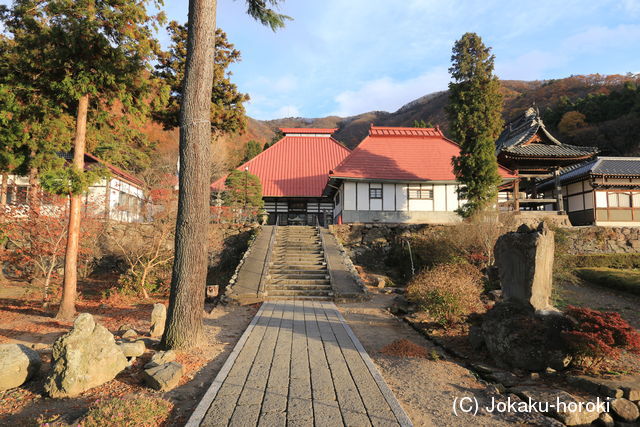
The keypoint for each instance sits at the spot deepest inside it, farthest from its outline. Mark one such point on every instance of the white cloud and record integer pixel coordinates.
(602, 38)
(389, 94)
(631, 7)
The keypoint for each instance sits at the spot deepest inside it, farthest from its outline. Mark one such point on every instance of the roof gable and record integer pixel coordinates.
(295, 166)
(402, 154)
(527, 136)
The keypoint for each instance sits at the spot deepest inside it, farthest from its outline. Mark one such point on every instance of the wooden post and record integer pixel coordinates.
(556, 178)
(516, 195)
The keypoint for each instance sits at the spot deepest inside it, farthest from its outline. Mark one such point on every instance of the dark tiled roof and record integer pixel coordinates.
(548, 150)
(600, 166)
(520, 131)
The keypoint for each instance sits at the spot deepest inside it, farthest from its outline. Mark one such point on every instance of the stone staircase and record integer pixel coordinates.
(297, 269)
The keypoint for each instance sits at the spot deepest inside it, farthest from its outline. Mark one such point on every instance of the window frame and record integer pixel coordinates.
(424, 192)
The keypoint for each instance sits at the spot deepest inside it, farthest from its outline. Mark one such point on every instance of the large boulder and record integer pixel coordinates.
(85, 357)
(18, 363)
(158, 319)
(132, 349)
(518, 337)
(525, 265)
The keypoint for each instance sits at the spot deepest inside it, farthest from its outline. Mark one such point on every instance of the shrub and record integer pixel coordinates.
(448, 292)
(138, 411)
(624, 280)
(598, 336)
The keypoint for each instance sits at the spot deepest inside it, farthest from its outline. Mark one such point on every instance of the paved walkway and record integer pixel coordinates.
(298, 364)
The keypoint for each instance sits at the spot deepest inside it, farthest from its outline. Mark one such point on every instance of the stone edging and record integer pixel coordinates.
(350, 267)
(234, 278)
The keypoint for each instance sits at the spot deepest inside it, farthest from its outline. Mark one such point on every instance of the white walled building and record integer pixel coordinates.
(604, 191)
(120, 197)
(398, 175)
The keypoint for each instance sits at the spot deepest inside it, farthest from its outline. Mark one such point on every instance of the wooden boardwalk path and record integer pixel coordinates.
(298, 364)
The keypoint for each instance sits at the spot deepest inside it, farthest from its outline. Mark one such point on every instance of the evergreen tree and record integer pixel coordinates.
(79, 55)
(266, 145)
(277, 136)
(422, 124)
(253, 149)
(475, 122)
(184, 317)
(227, 103)
(243, 190)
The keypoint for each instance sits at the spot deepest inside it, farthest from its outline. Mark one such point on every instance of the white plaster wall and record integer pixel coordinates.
(452, 197)
(439, 197)
(401, 197)
(588, 200)
(363, 196)
(576, 203)
(601, 199)
(388, 197)
(349, 196)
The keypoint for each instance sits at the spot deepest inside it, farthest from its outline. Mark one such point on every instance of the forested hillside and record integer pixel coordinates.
(595, 110)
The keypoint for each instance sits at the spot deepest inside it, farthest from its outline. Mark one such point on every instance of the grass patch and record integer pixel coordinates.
(624, 280)
(135, 411)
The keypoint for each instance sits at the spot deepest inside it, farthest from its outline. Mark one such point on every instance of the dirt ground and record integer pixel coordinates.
(425, 388)
(600, 298)
(22, 320)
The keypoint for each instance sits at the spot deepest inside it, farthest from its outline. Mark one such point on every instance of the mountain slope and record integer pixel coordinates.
(518, 96)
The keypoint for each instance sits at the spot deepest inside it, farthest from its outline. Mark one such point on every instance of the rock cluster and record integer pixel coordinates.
(158, 319)
(18, 363)
(85, 357)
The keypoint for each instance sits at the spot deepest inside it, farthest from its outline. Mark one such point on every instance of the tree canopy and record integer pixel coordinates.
(475, 122)
(227, 103)
(252, 149)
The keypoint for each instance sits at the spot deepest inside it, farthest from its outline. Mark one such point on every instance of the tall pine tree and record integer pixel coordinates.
(186, 300)
(475, 122)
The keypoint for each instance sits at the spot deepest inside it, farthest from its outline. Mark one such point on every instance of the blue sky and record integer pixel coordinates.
(346, 57)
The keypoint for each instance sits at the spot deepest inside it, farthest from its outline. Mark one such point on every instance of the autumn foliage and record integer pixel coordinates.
(598, 336)
(36, 241)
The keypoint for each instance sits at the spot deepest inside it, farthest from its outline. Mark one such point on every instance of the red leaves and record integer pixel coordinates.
(600, 335)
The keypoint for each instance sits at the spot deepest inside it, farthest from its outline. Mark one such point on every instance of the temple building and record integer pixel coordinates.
(399, 175)
(604, 191)
(294, 173)
(526, 147)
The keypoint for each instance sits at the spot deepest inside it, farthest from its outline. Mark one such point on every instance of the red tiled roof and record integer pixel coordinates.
(403, 154)
(308, 130)
(115, 170)
(296, 166)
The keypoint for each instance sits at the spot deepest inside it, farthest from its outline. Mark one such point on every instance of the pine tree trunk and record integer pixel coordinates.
(68, 304)
(186, 300)
(4, 189)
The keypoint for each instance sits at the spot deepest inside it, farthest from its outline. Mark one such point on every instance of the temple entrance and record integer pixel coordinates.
(300, 211)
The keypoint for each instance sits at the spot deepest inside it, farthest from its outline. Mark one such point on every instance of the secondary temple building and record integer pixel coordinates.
(603, 191)
(526, 147)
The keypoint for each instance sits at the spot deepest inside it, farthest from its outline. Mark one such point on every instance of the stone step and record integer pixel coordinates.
(296, 261)
(299, 281)
(299, 298)
(292, 257)
(294, 252)
(297, 293)
(311, 275)
(285, 269)
(299, 287)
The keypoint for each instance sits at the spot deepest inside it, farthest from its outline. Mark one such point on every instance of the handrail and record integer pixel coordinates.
(267, 259)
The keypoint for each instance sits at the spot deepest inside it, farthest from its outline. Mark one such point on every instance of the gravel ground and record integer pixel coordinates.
(426, 389)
